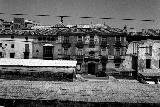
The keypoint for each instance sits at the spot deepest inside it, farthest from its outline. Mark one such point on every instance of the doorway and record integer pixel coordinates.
(91, 68)
(135, 65)
(26, 55)
(48, 52)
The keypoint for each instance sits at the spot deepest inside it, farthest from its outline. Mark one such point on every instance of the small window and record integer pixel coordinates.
(52, 39)
(5, 44)
(48, 39)
(26, 38)
(118, 38)
(12, 55)
(0, 44)
(148, 63)
(0, 54)
(149, 50)
(39, 38)
(12, 45)
(12, 37)
(44, 38)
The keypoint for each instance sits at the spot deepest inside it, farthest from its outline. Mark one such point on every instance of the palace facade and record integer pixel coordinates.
(95, 48)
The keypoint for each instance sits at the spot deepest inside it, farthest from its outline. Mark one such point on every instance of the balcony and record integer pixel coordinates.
(91, 44)
(66, 57)
(118, 44)
(79, 44)
(66, 44)
(104, 59)
(79, 57)
(103, 44)
(117, 59)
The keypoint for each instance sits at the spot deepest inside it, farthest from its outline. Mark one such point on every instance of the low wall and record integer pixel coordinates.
(37, 73)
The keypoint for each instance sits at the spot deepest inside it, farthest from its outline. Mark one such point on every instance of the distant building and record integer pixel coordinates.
(15, 46)
(149, 58)
(144, 56)
(95, 48)
(19, 23)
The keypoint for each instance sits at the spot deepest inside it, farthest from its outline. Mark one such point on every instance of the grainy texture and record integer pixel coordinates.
(125, 91)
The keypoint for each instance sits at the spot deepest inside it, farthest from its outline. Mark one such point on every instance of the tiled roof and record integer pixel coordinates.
(61, 29)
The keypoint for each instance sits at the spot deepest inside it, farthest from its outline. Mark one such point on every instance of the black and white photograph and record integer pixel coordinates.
(79, 53)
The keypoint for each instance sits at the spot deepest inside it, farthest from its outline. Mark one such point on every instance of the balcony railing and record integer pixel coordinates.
(91, 44)
(79, 44)
(66, 44)
(103, 44)
(104, 59)
(79, 57)
(66, 57)
(117, 59)
(118, 44)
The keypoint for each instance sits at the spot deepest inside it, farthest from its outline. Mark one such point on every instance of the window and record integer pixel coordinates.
(12, 37)
(39, 38)
(148, 63)
(104, 39)
(0, 44)
(135, 47)
(66, 39)
(118, 38)
(12, 45)
(26, 47)
(117, 52)
(79, 52)
(52, 39)
(44, 38)
(149, 50)
(26, 38)
(48, 39)
(65, 51)
(79, 38)
(12, 55)
(91, 44)
(0, 54)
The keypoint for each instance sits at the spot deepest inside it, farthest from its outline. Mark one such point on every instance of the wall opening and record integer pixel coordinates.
(148, 63)
(91, 68)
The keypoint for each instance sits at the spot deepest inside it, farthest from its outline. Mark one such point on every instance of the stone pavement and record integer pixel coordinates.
(112, 90)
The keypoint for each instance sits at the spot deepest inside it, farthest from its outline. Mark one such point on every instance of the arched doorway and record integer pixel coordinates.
(91, 68)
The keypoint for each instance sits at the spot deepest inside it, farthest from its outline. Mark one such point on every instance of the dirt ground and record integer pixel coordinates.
(111, 90)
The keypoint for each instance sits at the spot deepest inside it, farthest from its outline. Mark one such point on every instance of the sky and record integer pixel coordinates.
(117, 9)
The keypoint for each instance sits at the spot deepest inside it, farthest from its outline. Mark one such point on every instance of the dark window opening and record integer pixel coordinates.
(91, 42)
(79, 38)
(0, 44)
(5, 44)
(118, 38)
(117, 52)
(26, 38)
(12, 55)
(26, 47)
(12, 37)
(44, 38)
(148, 63)
(12, 45)
(0, 54)
(52, 39)
(39, 38)
(66, 39)
(48, 39)
(117, 65)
